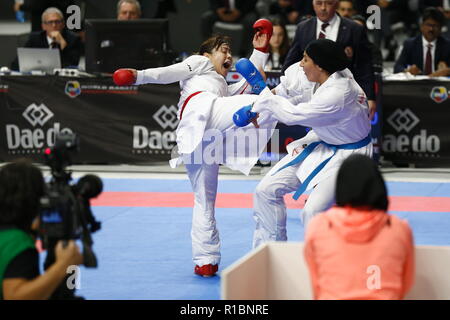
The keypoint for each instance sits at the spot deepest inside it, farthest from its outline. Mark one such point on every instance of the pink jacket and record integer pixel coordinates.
(359, 254)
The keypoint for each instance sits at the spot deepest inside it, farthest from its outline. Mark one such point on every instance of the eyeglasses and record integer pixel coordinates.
(431, 25)
(57, 22)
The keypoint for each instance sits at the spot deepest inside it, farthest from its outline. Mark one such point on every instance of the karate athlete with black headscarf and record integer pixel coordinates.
(319, 93)
(207, 102)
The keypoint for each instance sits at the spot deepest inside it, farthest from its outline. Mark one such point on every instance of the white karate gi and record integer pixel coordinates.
(213, 108)
(337, 113)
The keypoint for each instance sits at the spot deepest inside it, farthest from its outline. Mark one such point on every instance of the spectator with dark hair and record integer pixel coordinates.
(442, 5)
(21, 187)
(279, 46)
(356, 250)
(55, 35)
(345, 8)
(228, 11)
(348, 33)
(429, 52)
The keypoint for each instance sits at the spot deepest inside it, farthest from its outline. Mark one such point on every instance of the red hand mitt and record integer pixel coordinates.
(264, 26)
(124, 77)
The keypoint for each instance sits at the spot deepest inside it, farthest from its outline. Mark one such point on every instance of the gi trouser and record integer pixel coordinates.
(204, 233)
(269, 208)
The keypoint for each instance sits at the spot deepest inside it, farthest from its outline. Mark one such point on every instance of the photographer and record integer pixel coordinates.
(21, 187)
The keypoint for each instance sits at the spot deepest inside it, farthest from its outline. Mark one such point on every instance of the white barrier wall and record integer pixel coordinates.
(278, 271)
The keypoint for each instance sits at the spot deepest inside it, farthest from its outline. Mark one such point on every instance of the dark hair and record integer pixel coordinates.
(284, 47)
(435, 14)
(360, 184)
(213, 42)
(21, 187)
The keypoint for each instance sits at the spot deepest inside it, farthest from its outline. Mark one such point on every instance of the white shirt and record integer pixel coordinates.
(331, 32)
(49, 40)
(425, 50)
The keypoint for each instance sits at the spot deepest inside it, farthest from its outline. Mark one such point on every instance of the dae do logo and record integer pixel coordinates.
(35, 138)
(405, 121)
(166, 117)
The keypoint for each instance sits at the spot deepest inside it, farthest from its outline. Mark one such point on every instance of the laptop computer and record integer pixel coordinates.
(43, 59)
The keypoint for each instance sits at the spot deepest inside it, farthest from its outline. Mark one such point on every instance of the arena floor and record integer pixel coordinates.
(144, 247)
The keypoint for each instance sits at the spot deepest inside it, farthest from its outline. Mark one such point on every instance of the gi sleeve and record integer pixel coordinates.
(186, 69)
(323, 110)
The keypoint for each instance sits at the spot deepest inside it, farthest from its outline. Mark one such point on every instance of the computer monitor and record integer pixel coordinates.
(112, 44)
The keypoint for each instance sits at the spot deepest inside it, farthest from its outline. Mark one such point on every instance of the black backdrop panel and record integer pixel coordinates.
(115, 124)
(137, 124)
(416, 122)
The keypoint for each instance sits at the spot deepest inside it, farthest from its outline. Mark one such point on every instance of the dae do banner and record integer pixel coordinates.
(415, 122)
(115, 124)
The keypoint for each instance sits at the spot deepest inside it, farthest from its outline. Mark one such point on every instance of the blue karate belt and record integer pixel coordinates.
(307, 151)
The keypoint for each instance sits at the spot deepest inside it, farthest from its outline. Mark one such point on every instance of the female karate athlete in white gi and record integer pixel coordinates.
(320, 93)
(208, 102)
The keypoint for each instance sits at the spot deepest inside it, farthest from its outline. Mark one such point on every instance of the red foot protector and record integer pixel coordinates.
(123, 77)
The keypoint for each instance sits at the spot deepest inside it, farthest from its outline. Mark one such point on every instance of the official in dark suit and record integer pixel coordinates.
(55, 36)
(328, 24)
(429, 52)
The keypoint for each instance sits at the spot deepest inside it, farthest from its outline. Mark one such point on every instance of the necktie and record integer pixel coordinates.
(54, 45)
(322, 31)
(428, 60)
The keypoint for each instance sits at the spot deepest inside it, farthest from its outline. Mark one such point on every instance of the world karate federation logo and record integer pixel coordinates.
(72, 89)
(37, 114)
(403, 120)
(439, 94)
(167, 117)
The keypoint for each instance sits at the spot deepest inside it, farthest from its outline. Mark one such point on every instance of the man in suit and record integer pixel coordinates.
(328, 24)
(55, 36)
(429, 52)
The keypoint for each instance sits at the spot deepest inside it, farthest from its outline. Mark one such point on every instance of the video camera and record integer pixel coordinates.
(65, 208)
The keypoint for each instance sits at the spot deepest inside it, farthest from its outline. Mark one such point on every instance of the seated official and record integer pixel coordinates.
(128, 10)
(429, 52)
(21, 187)
(54, 35)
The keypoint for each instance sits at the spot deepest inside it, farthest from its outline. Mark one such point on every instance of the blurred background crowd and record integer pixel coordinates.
(191, 22)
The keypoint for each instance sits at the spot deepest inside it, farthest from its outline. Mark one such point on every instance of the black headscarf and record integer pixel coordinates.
(328, 55)
(360, 184)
